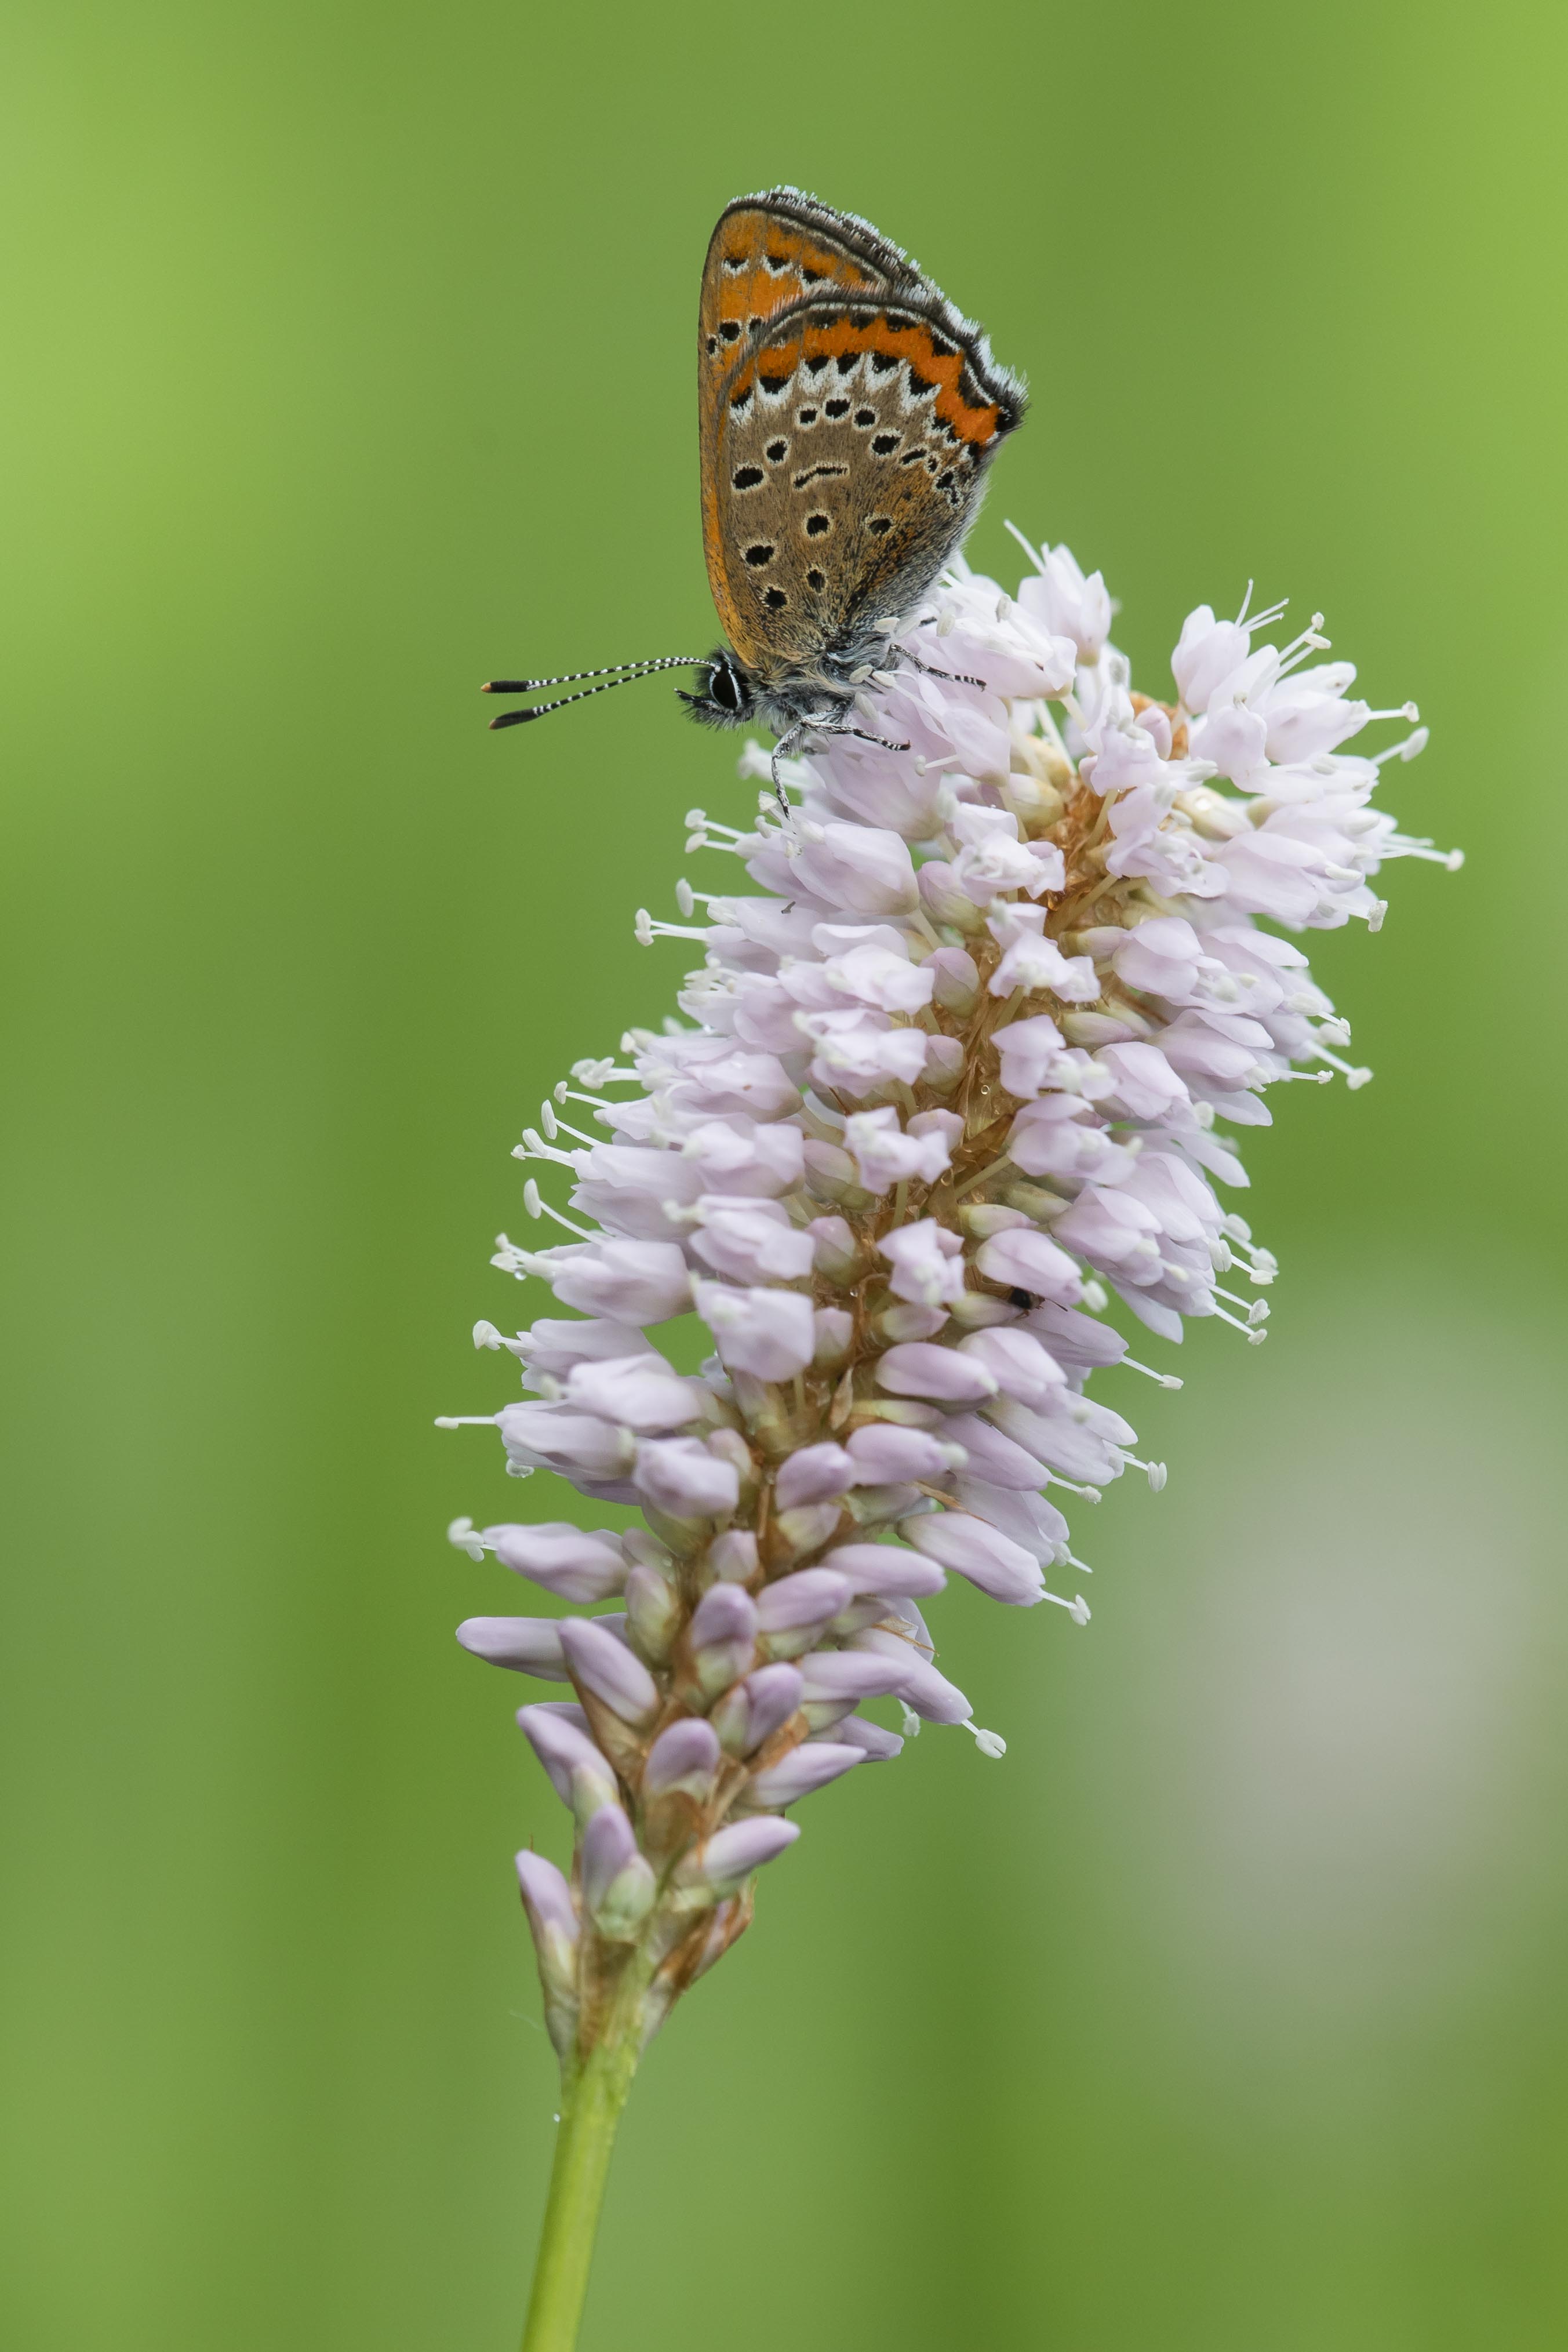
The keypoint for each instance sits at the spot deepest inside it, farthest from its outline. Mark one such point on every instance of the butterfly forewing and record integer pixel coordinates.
(766, 254)
(850, 442)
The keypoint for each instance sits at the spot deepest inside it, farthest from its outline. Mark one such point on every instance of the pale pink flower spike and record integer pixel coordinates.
(957, 1068)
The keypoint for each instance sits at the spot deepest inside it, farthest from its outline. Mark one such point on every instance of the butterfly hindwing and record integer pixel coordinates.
(849, 448)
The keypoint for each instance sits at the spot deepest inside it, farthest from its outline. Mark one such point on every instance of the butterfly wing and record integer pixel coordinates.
(767, 253)
(849, 441)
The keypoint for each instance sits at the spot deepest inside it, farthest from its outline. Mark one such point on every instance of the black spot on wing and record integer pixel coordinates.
(746, 478)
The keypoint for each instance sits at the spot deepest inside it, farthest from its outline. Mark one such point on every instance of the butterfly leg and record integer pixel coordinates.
(927, 669)
(861, 737)
(792, 736)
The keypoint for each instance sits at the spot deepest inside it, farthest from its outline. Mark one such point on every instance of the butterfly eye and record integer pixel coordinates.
(724, 688)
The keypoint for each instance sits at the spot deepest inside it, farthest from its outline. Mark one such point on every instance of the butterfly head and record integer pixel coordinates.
(726, 693)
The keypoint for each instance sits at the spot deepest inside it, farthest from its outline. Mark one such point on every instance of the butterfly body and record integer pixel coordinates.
(849, 414)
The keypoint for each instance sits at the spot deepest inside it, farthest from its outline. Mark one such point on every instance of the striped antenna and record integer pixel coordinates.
(616, 674)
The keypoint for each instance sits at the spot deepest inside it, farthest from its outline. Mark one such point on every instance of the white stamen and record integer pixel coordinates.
(1452, 858)
(1352, 1076)
(467, 1537)
(1410, 748)
(1032, 551)
(990, 1743)
(467, 1421)
(1089, 1494)
(645, 930)
(1253, 1336)
(539, 1207)
(1161, 1379)
(534, 1146)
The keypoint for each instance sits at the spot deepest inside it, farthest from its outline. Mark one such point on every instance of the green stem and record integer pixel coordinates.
(591, 2110)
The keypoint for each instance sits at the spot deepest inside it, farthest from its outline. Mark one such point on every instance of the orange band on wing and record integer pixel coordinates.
(911, 342)
(753, 291)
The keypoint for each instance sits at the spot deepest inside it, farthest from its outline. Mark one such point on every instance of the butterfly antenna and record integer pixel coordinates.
(616, 674)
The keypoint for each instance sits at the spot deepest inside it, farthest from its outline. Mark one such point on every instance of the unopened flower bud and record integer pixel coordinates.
(553, 1921)
(529, 1645)
(579, 1772)
(886, 1569)
(817, 1474)
(920, 1369)
(618, 1882)
(682, 1476)
(733, 1853)
(602, 1665)
(722, 1638)
(805, 1529)
(684, 1756)
(652, 1612)
(755, 1709)
(806, 1768)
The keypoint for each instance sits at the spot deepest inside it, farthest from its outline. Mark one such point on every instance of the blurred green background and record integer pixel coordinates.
(349, 359)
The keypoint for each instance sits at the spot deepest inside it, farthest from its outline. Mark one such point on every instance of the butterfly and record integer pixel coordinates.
(849, 416)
